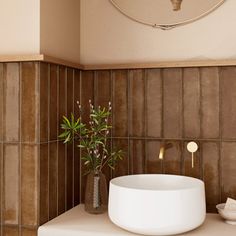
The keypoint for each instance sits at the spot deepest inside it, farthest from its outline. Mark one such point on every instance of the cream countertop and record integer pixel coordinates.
(76, 222)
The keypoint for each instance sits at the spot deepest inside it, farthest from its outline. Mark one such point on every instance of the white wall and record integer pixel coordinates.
(19, 27)
(109, 37)
(60, 29)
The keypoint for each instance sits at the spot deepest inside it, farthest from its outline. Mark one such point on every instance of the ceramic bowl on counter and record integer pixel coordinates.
(228, 215)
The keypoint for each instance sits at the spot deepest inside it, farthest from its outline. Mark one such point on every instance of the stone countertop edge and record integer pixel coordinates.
(76, 222)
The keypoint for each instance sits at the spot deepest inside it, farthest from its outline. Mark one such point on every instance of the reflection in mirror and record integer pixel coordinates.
(166, 14)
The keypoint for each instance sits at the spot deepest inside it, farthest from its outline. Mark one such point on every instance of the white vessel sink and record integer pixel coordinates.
(157, 204)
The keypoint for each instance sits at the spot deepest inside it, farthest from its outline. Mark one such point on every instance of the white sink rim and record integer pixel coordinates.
(193, 182)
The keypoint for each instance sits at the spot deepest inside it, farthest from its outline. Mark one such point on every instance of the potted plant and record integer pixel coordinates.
(92, 139)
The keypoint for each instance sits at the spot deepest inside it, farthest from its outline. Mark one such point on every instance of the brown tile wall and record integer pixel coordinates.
(59, 164)
(39, 176)
(177, 104)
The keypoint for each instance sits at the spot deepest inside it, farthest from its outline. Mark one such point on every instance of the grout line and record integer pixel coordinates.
(221, 187)
(113, 109)
(200, 123)
(2, 182)
(111, 100)
(162, 92)
(38, 146)
(182, 121)
(95, 89)
(48, 134)
(182, 118)
(57, 153)
(80, 152)
(73, 144)
(2, 150)
(66, 145)
(200, 105)
(145, 121)
(129, 114)
(133, 137)
(20, 146)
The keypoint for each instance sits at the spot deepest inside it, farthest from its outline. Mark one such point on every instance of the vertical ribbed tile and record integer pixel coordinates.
(61, 147)
(187, 162)
(172, 159)
(44, 102)
(53, 165)
(29, 185)
(102, 98)
(11, 184)
(62, 93)
(76, 169)
(28, 232)
(210, 100)
(11, 111)
(120, 103)
(76, 165)
(83, 176)
(211, 174)
(53, 104)
(136, 103)
(70, 147)
(107, 170)
(172, 117)
(61, 177)
(76, 92)
(44, 184)
(228, 173)
(154, 103)
(10, 231)
(103, 89)
(153, 163)
(122, 167)
(1, 101)
(87, 93)
(137, 156)
(69, 177)
(29, 101)
(228, 108)
(191, 100)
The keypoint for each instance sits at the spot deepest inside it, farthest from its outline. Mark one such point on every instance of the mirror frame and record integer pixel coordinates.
(167, 26)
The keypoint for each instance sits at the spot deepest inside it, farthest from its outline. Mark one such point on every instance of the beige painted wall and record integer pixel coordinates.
(19, 24)
(50, 27)
(60, 29)
(109, 37)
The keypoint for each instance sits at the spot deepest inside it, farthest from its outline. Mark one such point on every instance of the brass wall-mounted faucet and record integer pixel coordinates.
(163, 147)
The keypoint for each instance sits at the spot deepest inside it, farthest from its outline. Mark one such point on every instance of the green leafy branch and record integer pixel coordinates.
(92, 138)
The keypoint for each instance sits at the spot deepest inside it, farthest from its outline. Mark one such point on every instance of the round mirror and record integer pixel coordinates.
(166, 14)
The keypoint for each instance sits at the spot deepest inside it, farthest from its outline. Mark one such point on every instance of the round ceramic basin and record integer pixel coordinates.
(157, 204)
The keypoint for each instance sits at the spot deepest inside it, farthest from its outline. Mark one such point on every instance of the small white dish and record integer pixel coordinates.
(228, 215)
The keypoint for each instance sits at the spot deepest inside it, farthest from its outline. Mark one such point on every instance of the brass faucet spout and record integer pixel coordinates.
(163, 147)
(162, 152)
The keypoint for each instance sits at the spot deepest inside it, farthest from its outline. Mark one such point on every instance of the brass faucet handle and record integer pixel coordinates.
(192, 147)
(192, 159)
